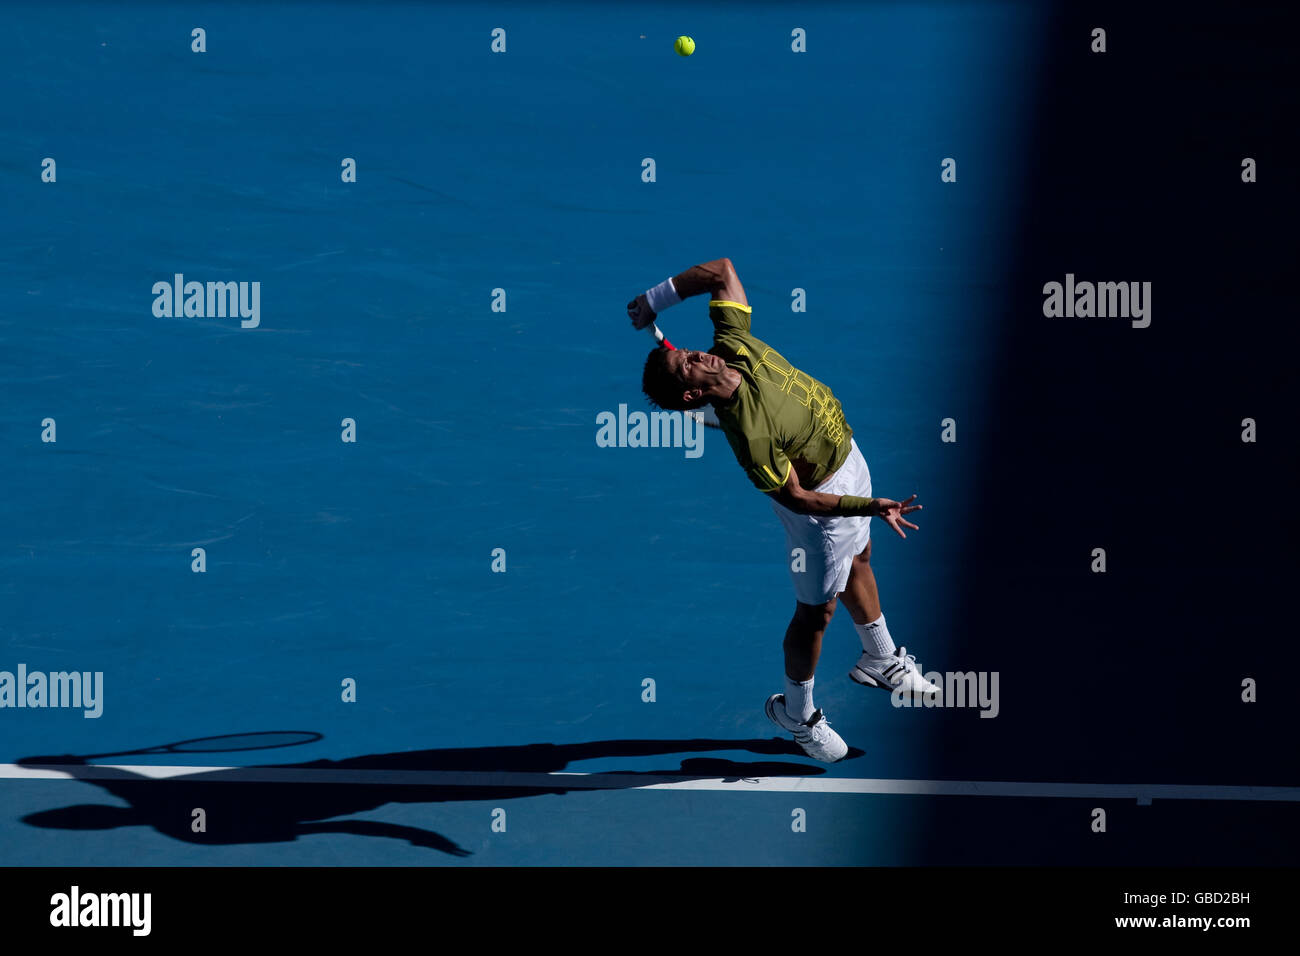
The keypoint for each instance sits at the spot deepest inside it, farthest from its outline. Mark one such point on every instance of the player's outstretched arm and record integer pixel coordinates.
(802, 501)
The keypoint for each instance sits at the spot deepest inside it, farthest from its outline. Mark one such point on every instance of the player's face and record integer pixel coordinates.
(696, 369)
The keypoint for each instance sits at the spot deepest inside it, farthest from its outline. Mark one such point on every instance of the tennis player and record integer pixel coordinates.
(789, 434)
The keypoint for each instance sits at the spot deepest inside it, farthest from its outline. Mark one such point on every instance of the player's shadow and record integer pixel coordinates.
(273, 812)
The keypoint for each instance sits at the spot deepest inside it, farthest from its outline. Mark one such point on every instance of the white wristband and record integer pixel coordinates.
(662, 296)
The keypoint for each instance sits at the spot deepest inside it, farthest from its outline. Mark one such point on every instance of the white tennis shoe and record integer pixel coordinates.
(815, 737)
(896, 672)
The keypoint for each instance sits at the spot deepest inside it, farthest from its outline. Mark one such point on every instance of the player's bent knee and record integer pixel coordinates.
(816, 617)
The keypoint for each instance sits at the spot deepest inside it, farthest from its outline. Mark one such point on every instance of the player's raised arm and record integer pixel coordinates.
(802, 501)
(718, 278)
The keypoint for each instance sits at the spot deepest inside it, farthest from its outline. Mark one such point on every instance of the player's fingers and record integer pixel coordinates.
(910, 525)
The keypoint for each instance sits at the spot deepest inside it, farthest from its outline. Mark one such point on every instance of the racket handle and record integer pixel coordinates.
(659, 338)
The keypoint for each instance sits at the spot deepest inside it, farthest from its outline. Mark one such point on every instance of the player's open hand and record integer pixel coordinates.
(639, 311)
(892, 512)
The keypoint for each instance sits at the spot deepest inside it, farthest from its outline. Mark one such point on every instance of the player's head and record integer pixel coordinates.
(680, 379)
(83, 816)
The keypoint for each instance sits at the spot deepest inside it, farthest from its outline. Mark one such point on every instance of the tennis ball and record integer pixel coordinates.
(685, 46)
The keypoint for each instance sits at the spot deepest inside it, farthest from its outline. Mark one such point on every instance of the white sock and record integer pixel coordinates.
(798, 699)
(876, 641)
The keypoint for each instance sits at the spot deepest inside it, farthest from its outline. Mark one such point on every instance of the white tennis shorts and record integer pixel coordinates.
(826, 546)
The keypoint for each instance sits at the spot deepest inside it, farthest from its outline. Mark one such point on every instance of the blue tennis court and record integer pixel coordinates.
(511, 645)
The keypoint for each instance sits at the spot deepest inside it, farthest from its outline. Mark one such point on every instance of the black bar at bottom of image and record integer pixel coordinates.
(906, 904)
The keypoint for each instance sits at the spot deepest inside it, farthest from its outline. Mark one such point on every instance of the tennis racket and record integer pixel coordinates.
(658, 336)
(264, 740)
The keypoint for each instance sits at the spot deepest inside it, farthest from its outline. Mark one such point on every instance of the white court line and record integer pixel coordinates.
(1143, 793)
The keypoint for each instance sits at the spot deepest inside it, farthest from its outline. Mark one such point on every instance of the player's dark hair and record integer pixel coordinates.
(663, 388)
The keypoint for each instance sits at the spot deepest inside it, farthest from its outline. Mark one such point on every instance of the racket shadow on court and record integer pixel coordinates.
(280, 802)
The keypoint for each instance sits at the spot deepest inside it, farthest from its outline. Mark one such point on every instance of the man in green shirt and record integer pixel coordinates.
(789, 434)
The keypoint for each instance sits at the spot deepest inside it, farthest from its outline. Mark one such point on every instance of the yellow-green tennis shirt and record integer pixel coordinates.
(778, 413)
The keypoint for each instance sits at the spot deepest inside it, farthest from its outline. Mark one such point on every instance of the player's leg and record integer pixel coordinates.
(853, 537)
(861, 596)
(803, 646)
(814, 586)
(882, 664)
(793, 711)
(803, 638)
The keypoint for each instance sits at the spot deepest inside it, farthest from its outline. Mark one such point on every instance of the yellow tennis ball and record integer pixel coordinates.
(685, 46)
